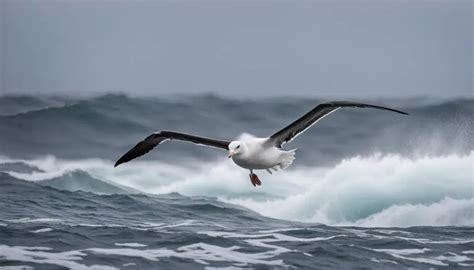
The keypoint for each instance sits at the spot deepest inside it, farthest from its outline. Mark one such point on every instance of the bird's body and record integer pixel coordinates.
(253, 153)
(258, 156)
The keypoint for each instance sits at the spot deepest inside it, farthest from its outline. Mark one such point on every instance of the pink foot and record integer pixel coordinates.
(254, 179)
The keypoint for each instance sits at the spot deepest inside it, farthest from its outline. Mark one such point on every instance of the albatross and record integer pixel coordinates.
(253, 153)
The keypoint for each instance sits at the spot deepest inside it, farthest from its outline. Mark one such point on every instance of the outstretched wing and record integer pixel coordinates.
(288, 133)
(156, 138)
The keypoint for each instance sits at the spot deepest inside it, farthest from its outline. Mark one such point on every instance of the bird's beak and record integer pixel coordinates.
(231, 153)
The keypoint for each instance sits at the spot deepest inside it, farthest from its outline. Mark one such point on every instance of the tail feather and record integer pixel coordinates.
(287, 159)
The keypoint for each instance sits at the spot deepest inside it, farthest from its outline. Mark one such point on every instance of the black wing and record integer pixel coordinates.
(316, 114)
(154, 139)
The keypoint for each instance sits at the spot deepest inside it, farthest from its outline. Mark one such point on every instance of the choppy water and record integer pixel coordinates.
(368, 189)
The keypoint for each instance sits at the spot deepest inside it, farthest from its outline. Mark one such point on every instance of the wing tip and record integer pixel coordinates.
(125, 158)
(120, 161)
(400, 112)
(136, 151)
(341, 102)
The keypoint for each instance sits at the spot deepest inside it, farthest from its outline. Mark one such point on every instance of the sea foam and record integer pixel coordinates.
(380, 190)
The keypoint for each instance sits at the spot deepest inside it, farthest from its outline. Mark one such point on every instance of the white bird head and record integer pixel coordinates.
(236, 148)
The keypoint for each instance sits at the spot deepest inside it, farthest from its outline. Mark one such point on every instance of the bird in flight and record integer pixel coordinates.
(253, 153)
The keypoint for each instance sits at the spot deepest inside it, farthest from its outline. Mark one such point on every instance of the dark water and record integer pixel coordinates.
(106, 126)
(368, 189)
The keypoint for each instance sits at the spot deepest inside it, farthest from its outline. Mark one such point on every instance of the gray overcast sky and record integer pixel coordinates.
(320, 48)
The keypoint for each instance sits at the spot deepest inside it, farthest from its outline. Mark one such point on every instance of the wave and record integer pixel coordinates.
(184, 205)
(14, 105)
(81, 181)
(379, 191)
(140, 230)
(106, 126)
(26, 202)
(447, 212)
(376, 191)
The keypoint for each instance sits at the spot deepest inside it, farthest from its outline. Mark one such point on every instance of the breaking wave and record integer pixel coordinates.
(64, 205)
(380, 191)
(376, 191)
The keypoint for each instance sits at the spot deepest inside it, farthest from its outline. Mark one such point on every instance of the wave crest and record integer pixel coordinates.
(388, 190)
(447, 212)
(380, 191)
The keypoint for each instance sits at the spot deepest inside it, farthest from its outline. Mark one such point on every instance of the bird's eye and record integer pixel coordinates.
(237, 147)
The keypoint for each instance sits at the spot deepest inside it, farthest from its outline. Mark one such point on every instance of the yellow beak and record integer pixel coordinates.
(231, 153)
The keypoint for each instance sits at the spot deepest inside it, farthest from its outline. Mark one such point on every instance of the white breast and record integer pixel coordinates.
(258, 155)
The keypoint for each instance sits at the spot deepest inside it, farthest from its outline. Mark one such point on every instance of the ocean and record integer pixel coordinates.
(369, 189)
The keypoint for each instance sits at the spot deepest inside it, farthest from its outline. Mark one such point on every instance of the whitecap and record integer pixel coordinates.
(35, 220)
(130, 245)
(375, 191)
(199, 252)
(453, 257)
(42, 230)
(40, 255)
(403, 254)
(382, 261)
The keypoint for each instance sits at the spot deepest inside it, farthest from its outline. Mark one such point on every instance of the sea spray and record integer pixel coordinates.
(358, 190)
